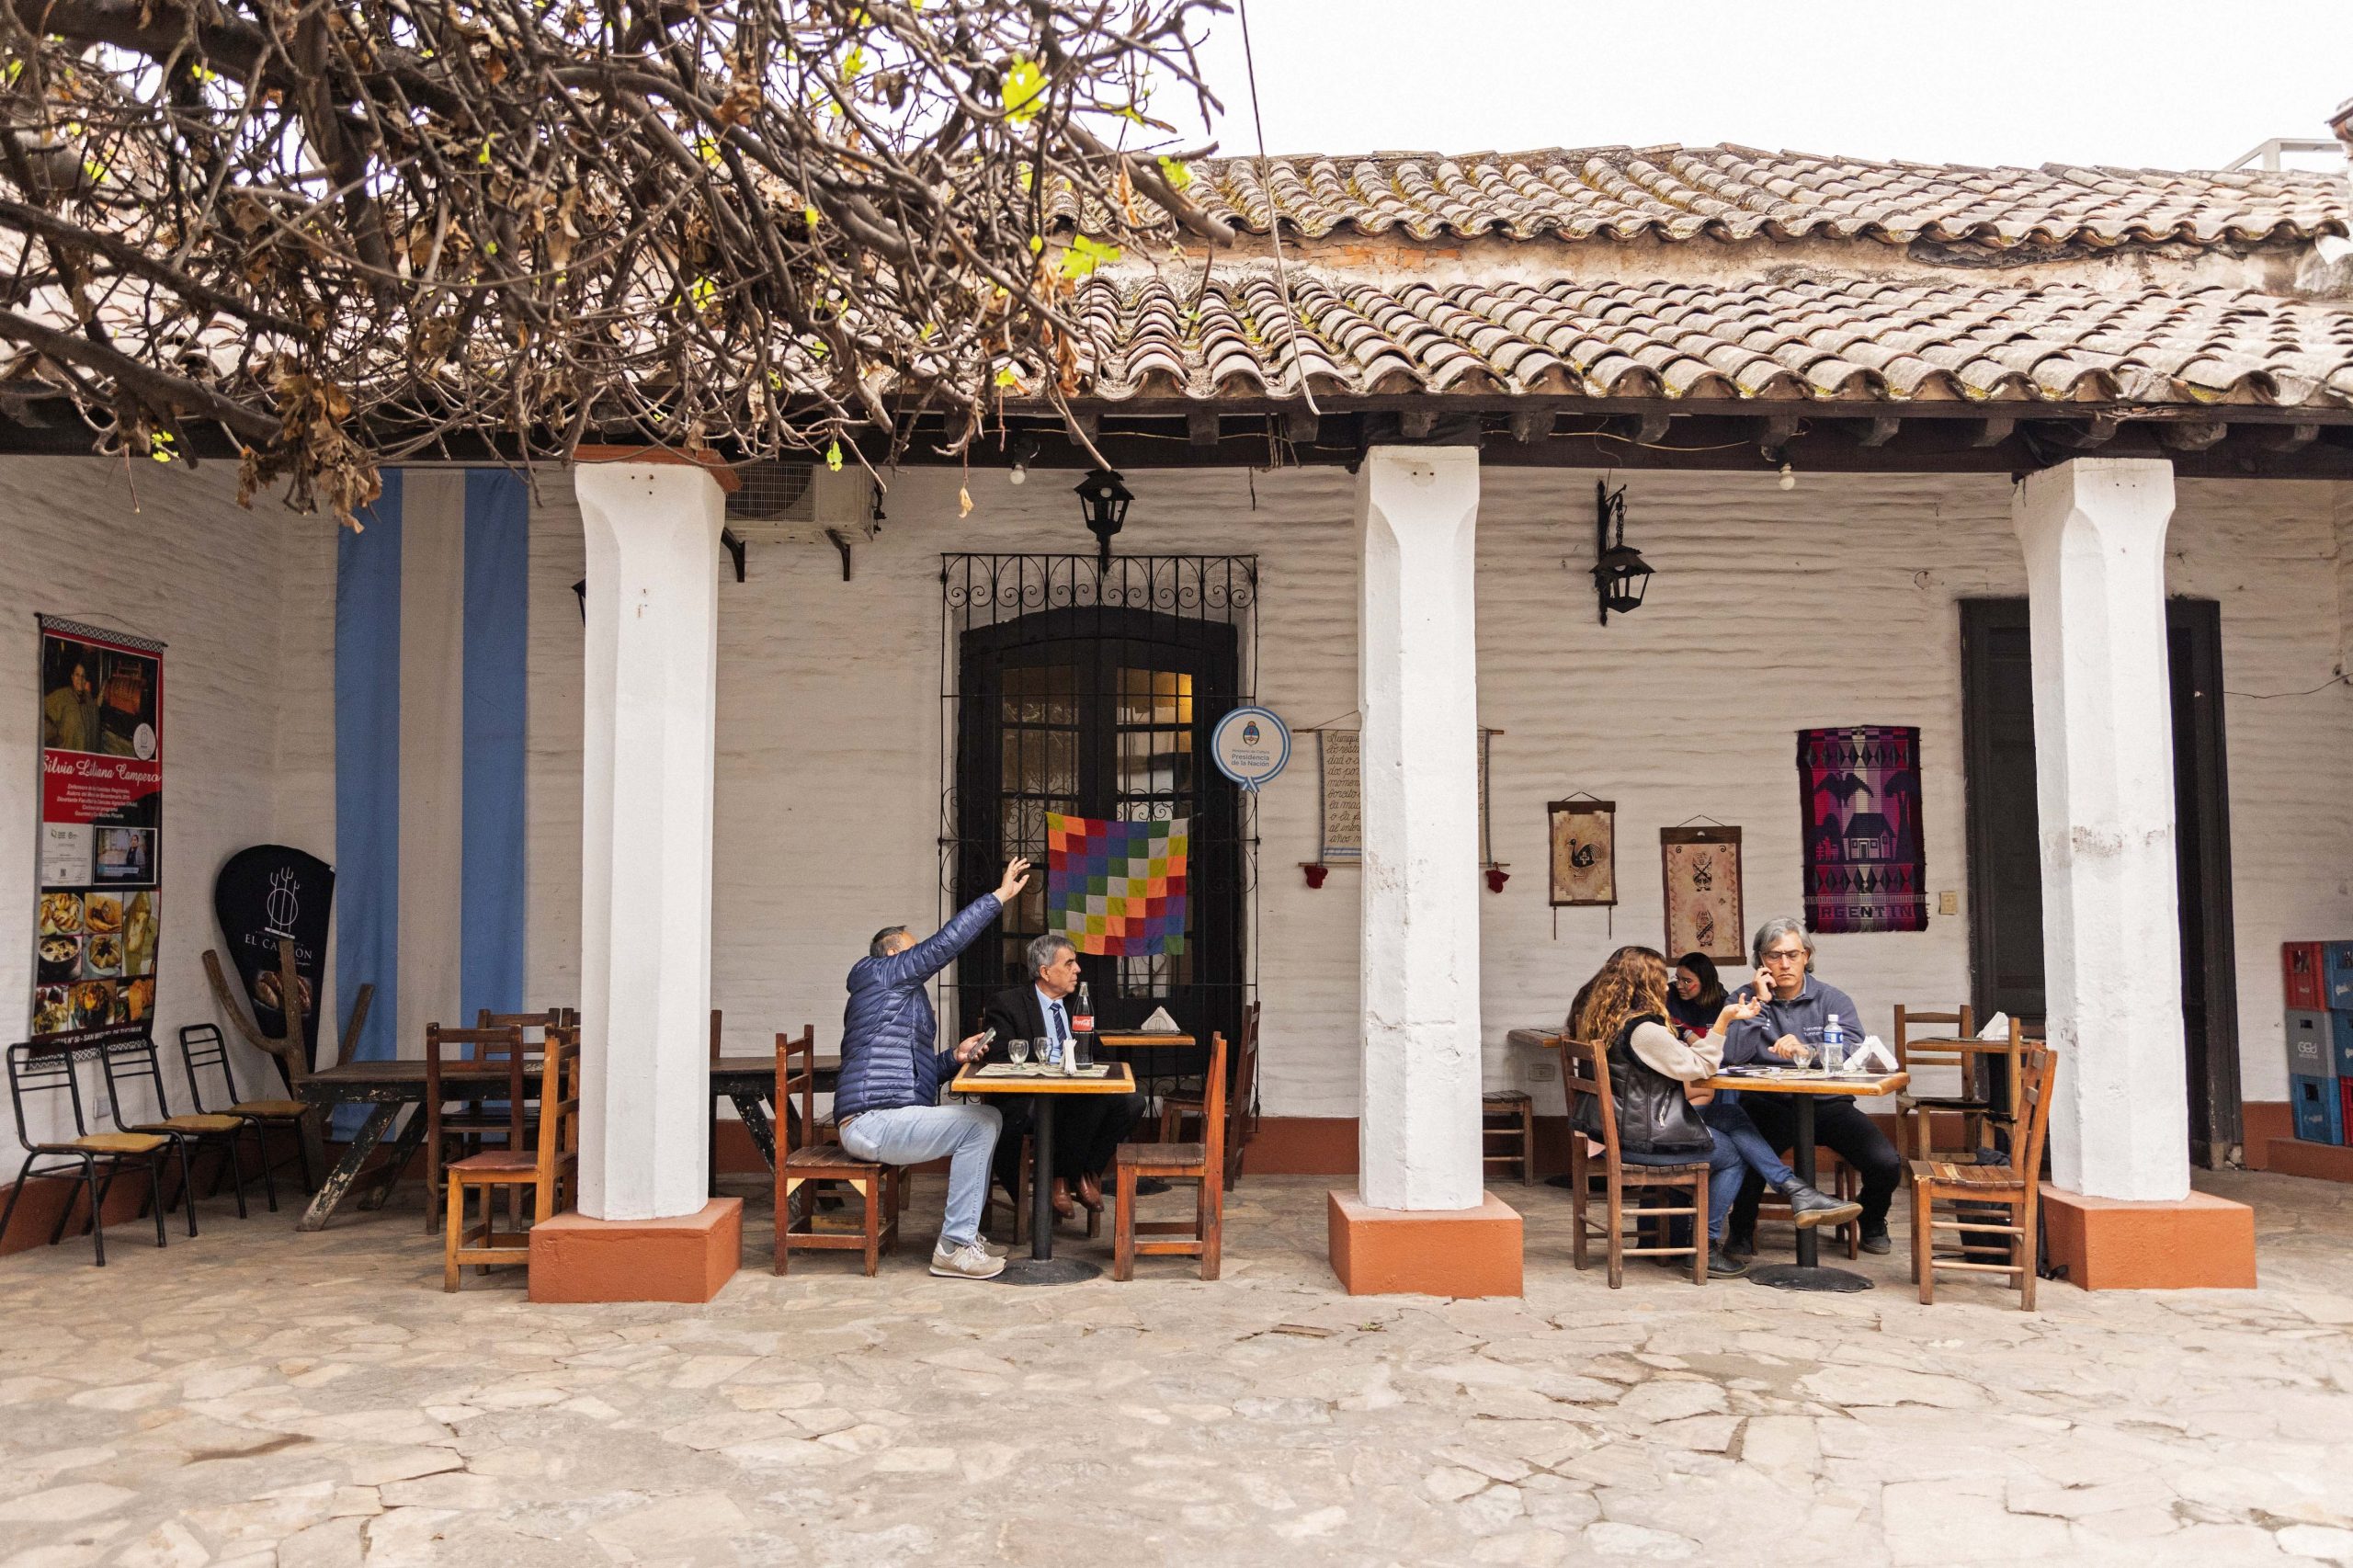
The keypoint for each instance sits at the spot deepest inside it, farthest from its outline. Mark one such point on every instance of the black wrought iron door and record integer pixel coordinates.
(1102, 711)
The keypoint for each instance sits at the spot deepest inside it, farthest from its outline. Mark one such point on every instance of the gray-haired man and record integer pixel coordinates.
(1797, 1006)
(1087, 1128)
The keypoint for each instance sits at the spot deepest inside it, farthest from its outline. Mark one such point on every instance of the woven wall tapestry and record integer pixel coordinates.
(1117, 888)
(1865, 868)
(1701, 867)
(1584, 852)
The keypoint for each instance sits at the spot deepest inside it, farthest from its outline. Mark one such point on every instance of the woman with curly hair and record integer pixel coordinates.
(1625, 1007)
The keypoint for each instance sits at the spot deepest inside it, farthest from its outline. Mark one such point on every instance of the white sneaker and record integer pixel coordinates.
(995, 1249)
(966, 1262)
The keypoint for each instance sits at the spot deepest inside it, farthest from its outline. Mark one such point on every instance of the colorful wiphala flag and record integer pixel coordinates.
(1116, 888)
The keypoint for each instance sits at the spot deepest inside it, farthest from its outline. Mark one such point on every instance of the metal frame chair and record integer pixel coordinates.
(49, 1072)
(203, 1045)
(129, 1061)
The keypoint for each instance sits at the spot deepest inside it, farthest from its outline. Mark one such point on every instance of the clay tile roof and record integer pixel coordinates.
(1740, 193)
(1937, 340)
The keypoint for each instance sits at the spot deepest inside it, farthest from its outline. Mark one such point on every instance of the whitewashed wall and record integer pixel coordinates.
(1833, 603)
(170, 555)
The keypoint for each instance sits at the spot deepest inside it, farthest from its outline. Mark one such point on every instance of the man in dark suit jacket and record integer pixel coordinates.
(1087, 1128)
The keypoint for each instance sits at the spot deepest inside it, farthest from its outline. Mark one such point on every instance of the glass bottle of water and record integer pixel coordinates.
(1834, 1045)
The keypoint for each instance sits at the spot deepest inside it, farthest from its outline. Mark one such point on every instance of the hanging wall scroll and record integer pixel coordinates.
(1337, 756)
(1865, 870)
(1702, 870)
(1584, 852)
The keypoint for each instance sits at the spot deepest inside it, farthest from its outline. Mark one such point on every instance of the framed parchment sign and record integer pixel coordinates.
(1701, 868)
(1584, 852)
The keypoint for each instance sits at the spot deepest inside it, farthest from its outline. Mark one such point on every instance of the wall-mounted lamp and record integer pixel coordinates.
(1619, 573)
(1103, 500)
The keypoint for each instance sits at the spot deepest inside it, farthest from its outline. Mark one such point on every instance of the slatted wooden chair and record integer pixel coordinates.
(2014, 1187)
(203, 1046)
(128, 1065)
(1241, 1126)
(548, 1167)
(85, 1156)
(1585, 1072)
(475, 1114)
(1205, 1163)
(806, 1166)
(1973, 1104)
(1507, 1134)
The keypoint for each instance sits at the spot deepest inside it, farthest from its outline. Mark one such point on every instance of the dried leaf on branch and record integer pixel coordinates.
(348, 231)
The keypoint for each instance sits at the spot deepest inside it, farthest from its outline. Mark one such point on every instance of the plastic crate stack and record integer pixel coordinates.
(2320, 1038)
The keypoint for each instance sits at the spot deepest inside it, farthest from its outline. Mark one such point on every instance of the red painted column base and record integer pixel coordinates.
(690, 1258)
(1430, 1252)
(2112, 1244)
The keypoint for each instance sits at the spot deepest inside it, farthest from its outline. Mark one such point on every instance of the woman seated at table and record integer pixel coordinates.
(1696, 997)
(1652, 1074)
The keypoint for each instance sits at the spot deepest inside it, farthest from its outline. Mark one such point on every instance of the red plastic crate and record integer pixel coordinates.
(2299, 965)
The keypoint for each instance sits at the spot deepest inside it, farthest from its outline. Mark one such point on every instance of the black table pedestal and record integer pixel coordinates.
(1809, 1273)
(1041, 1267)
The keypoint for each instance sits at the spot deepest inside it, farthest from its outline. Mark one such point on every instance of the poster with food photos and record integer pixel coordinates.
(97, 881)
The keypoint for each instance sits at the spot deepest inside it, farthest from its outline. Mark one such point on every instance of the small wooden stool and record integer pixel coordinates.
(1508, 1115)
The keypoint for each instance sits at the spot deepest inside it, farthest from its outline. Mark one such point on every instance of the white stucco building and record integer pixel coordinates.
(1863, 414)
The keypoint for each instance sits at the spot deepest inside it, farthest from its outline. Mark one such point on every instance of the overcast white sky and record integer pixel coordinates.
(2178, 83)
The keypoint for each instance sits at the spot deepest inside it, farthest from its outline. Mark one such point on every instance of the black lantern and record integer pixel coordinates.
(1619, 573)
(1104, 500)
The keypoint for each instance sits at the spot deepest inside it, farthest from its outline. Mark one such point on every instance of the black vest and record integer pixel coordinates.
(1654, 1114)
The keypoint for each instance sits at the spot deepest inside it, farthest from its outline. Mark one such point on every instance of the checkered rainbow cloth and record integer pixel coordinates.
(1116, 888)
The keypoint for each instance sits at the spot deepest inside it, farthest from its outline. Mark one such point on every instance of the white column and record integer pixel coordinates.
(652, 656)
(2094, 532)
(1418, 510)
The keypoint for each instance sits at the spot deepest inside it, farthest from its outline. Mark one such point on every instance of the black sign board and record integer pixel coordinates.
(265, 894)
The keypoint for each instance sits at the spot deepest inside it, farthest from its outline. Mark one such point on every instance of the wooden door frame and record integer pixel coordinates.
(2200, 620)
(1222, 927)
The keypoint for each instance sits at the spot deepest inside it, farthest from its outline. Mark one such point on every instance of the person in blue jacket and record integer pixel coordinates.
(886, 1107)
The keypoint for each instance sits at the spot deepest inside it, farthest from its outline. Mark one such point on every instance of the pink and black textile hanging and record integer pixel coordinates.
(1865, 868)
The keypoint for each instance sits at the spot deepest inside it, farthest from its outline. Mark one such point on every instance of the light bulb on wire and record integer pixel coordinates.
(1789, 475)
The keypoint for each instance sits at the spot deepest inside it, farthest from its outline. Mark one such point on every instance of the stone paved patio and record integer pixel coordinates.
(316, 1400)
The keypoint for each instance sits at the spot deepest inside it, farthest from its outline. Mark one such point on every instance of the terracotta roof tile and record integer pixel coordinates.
(1737, 193)
(1824, 338)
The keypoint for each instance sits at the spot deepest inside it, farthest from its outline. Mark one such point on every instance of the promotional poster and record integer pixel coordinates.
(264, 896)
(99, 844)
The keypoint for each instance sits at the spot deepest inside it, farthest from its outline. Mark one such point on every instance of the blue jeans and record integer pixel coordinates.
(1725, 1171)
(1728, 1119)
(912, 1134)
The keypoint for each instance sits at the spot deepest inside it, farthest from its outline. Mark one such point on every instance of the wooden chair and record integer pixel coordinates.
(37, 1072)
(1205, 1163)
(1509, 1115)
(548, 1169)
(1241, 1126)
(1584, 1069)
(2014, 1187)
(129, 1061)
(806, 1166)
(1916, 1112)
(473, 1118)
(202, 1046)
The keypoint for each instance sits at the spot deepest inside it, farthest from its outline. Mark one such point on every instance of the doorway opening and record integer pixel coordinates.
(2005, 857)
(1093, 694)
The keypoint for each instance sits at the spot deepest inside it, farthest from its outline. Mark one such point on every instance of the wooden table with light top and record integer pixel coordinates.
(1046, 1087)
(1805, 1086)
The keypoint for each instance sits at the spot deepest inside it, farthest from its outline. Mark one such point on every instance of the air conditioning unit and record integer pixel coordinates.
(790, 503)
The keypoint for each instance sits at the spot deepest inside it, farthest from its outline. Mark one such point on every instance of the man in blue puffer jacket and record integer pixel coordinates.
(887, 1104)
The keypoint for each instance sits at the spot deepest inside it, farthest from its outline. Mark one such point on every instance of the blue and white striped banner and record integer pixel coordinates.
(431, 640)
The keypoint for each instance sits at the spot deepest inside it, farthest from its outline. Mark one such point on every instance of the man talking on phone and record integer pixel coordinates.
(887, 1102)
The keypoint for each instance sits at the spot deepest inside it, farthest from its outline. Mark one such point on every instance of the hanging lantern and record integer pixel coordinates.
(1619, 573)
(1104, 501)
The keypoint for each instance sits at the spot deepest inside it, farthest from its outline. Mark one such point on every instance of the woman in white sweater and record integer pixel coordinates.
(1652, 1074)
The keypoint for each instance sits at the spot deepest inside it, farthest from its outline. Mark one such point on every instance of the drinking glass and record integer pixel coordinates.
(1019, 1049)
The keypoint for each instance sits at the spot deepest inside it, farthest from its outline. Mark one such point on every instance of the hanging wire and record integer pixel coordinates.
(1274, 220)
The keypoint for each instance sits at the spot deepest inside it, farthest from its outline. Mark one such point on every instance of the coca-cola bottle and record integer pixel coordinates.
(1082, 1029)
